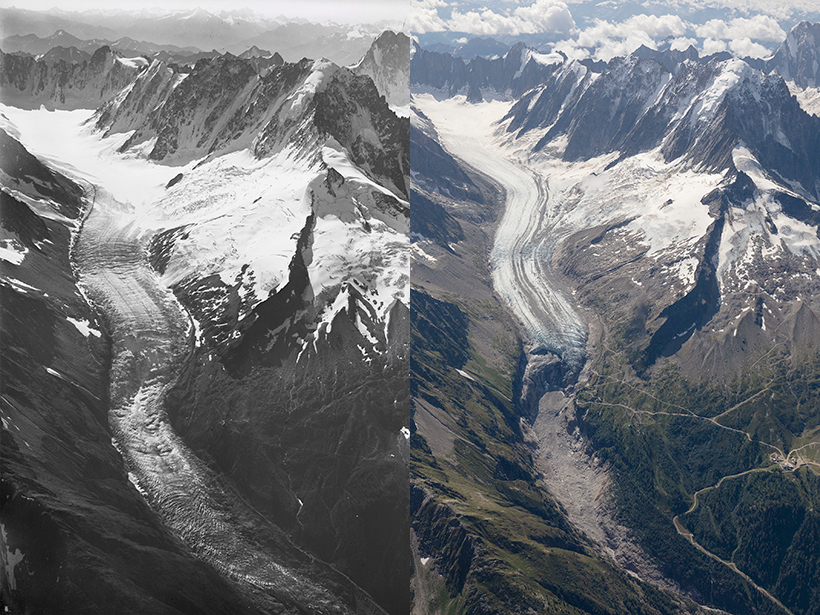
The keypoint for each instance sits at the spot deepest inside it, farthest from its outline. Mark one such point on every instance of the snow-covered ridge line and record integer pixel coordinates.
(645, 150)
(226, 104)
(228, 205)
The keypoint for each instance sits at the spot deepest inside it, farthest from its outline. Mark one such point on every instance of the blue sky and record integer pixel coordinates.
(605, 28)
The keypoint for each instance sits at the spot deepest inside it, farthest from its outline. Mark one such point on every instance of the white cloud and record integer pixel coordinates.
(622, 38)
(745, 47)
(613, 47)
(571, 49)
(657, 26)
(759, 27)
(423, 17)
(713, 45)
(461, 41)
(682, 44)
(485, 23)
(542, 16)
(547, 16)
(604, 39)
(779, 9)
(601, 31)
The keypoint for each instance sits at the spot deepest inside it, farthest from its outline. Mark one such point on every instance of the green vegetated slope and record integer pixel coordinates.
(716, 469)
(487, 536)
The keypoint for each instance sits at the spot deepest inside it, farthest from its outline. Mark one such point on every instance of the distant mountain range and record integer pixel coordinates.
(181, 36)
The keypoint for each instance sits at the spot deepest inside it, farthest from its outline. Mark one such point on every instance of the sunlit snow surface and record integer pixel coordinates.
(808, 98)
(12, 251)
(521, 255)
(231, 203)
(236, 210)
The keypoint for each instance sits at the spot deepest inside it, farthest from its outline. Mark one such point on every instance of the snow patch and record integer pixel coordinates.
(545, 59)
(84, 327)
(466, 375)
(137, 63)
(726, 79)
(419, 252)
(20, 287)
(322, 69)
(10, 558)
(12, 251)
(69, 138)
(809, 98)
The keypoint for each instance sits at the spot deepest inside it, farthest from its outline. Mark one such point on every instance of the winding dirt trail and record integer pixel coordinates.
(681, 529)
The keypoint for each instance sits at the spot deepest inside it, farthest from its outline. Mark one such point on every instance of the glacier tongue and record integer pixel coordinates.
(148, 329)
(527, 235)
(653, 205)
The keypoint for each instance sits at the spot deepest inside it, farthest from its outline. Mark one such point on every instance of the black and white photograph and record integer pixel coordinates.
(205, 322)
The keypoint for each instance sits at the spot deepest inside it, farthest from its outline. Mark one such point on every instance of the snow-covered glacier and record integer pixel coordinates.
(521, 259)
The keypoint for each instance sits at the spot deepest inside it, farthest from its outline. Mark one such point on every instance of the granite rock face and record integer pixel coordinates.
(71, 82)
(798, 57)
(387, 63)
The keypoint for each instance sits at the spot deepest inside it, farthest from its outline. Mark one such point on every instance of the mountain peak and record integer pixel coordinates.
(798, 57)
(516, 50)
(387, 63)
(255, 52)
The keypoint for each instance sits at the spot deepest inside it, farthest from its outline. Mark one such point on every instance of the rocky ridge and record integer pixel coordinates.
(28, 83)
(387, 63)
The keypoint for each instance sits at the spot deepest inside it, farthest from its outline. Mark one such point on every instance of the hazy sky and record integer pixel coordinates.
(341, 11)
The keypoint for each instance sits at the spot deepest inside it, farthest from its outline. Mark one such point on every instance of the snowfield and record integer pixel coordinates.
(657, 203)
(236, 210)
(228, 206)
(654, 205)
(548, 200)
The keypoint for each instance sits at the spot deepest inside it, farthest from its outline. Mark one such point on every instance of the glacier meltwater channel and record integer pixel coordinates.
(150, 343)
(521, 258)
